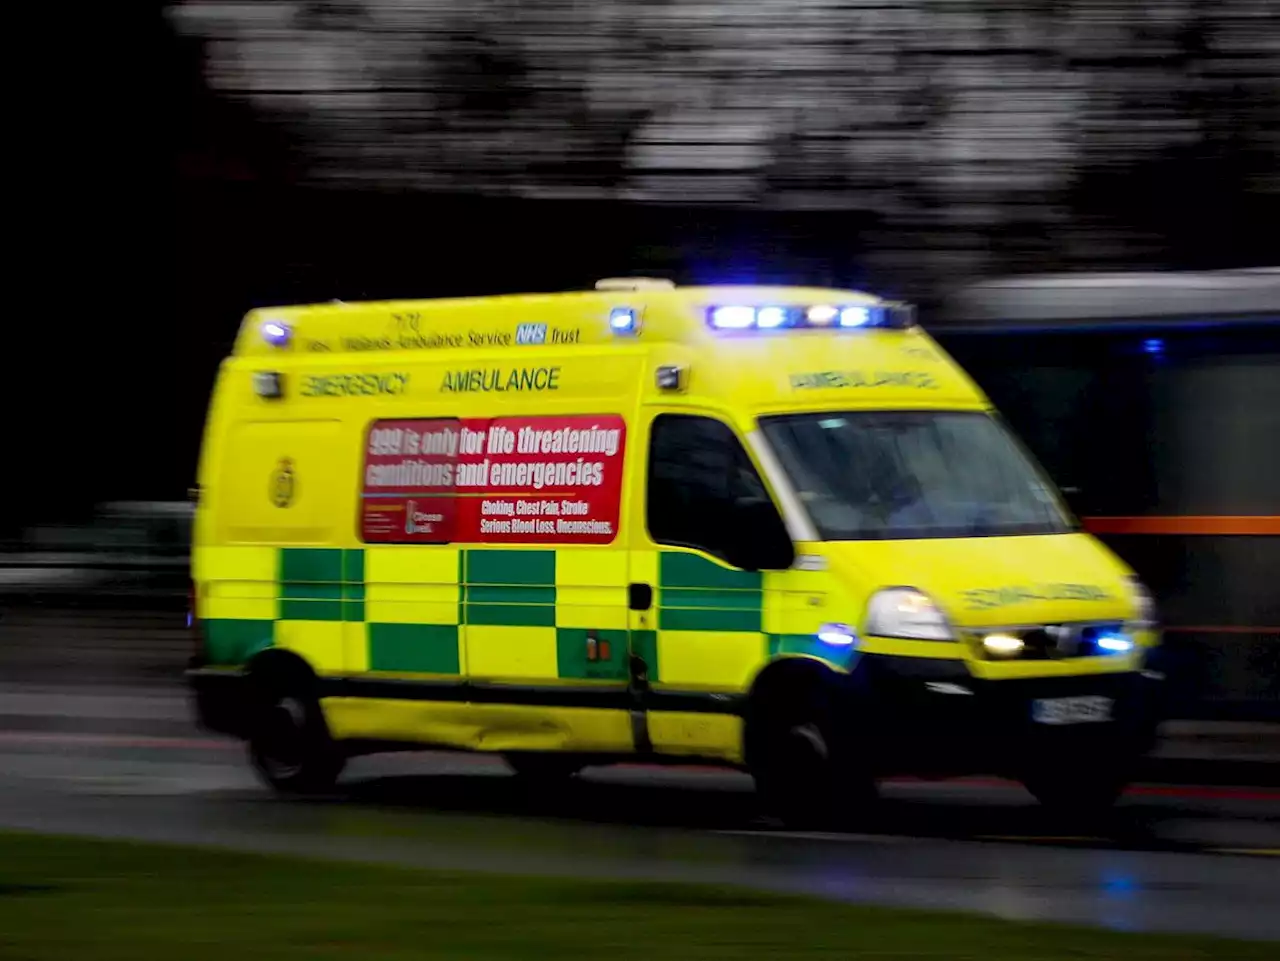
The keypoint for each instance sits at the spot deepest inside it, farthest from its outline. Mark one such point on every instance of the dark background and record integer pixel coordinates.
(154, 206)
(173, 165)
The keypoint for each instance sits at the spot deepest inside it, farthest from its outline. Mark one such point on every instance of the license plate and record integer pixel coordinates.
(1089, 709)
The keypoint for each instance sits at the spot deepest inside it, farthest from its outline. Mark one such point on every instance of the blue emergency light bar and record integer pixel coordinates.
(813, 316)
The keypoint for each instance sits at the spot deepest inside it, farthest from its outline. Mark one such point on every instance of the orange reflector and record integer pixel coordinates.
(1256, 526)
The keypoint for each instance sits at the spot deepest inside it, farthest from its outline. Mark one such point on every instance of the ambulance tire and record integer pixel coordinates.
(289, 742)
(806, 766)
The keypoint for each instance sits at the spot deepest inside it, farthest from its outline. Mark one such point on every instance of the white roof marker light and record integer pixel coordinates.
(821, 315)
(634, 283)
(733, 318)
(770, 317)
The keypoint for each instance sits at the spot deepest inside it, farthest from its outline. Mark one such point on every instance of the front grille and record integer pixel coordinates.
(1052, 642)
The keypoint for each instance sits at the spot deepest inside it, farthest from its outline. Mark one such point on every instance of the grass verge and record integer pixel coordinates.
(63, 898)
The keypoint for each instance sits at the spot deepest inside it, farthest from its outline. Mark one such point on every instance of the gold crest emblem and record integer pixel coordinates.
(283, 484)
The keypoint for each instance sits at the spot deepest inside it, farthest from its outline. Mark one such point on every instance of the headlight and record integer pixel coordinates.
(907, 613)
(1144, 602)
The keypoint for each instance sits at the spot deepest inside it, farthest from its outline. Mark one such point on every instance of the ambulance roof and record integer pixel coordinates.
(781, 346)
(662, 313)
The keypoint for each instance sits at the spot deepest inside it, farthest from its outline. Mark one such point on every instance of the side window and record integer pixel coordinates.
(699, 478)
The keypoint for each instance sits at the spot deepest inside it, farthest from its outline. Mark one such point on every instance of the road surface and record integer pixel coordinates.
(96, 739)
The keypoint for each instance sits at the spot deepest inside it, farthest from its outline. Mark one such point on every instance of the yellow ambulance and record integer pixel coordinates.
(770, 528)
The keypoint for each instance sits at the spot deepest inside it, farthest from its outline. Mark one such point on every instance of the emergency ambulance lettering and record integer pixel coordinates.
(982, 599)
(904, 378)
(833, 379)
(494, 381)
(354, 385)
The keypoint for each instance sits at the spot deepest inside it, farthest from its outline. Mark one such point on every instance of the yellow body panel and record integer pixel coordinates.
(279, 558)
(709, 660)
(683, 734)
(252, 516)
(319, 643)
(999, 581)
(511, 654)
(479, 727)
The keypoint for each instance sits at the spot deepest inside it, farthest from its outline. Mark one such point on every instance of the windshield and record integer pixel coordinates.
(880, 475)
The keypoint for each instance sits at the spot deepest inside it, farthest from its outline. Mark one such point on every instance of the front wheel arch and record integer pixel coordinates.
(782, 687)
(289, 741)
(800, 746)
(280, 665)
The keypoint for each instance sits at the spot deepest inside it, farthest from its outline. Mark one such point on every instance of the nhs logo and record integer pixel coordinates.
(531, 334)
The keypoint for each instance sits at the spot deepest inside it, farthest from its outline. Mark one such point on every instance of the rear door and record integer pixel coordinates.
(277, 572)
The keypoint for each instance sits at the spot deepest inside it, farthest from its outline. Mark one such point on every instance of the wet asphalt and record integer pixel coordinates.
(96, 739)
(1167, 859)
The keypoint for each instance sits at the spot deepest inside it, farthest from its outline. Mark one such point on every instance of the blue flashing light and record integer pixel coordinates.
(770, 317)
(822, 316)
(276, 333)
(733, 318)
(1120, 886)
(855, 316)
(622, 320)
(837, 635)
(1114, 643)
(1153, 345)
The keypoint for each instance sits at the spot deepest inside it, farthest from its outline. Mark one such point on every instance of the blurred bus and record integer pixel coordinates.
(129, 552)
(1154, 401)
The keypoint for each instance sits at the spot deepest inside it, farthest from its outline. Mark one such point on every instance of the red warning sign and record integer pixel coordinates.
(534, 480)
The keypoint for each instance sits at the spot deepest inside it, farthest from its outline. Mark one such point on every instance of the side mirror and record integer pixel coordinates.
(759, 541)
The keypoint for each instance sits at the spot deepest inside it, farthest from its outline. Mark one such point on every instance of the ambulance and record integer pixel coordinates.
(769, 528)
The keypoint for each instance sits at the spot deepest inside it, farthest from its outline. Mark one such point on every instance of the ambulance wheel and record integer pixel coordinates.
(807, 772)
(543, 769)
(289, 742)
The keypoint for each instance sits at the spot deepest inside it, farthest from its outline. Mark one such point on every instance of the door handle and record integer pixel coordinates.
(640, 597)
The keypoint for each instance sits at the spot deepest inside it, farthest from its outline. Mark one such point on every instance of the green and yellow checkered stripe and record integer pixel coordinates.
(345, 610)
(716, 626)
(529, 613)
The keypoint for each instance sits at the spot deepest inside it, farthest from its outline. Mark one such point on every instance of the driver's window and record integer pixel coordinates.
(699, 475)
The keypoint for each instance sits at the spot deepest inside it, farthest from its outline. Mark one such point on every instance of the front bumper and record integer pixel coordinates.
(932, 717)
